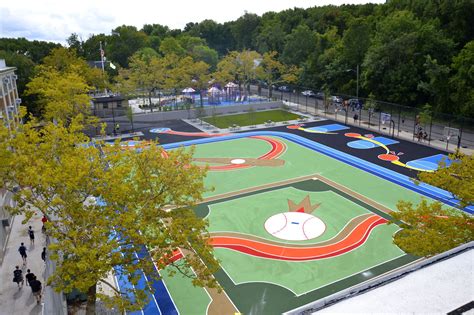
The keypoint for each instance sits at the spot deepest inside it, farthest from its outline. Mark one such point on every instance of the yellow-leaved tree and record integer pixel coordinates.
(431, 228)
(272, 71)
(109, 209)
(62, 83)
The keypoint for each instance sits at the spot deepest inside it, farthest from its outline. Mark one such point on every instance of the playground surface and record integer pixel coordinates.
(293, 220)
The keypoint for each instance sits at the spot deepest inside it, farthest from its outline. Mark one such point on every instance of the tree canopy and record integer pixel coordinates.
(410, 52)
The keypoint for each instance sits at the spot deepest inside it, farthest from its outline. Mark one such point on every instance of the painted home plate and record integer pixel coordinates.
(295, 226)
(237, 161)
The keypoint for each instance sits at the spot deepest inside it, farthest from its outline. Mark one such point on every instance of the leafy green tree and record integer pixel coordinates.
(458, 178)
(462, 81)
(428, 229)
(299, 45)
(145, 200)
(171, 45)
(435, 85)
(124, 42)
(272, 71)
(271, 37)
(394, 64)
(244, 30)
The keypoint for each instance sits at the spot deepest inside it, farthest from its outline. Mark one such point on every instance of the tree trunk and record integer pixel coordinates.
(91, 298)
(149, 99)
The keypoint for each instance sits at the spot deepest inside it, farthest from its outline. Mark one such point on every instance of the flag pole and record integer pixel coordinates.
(102, 57)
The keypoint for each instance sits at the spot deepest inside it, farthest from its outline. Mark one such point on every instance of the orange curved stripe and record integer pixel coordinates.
(277, 149)
(286, 252)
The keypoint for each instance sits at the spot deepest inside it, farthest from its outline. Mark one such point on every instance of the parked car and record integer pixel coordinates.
(355, 104)
(320, 95)
(283, 88)
(336, 100)
(308, 93)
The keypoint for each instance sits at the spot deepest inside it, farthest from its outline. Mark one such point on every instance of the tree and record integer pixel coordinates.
(62, 84)
(104, 205)
(394, 63)
(272, 71)
(240, 67)
(462, 81)
(124, 42)
(60, 105)
(428, 229)
(244, 30)
(271, 37)
(129, 113)
(299, 45)
(458, 178)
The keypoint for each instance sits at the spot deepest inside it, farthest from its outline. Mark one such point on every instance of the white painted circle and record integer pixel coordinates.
(237, 161)
(295, 226)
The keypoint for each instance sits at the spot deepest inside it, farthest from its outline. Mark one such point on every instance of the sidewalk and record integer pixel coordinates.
(12, 299)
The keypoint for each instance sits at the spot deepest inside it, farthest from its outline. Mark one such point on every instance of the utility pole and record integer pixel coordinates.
(357, 82)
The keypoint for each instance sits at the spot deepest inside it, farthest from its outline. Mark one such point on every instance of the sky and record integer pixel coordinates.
(55, 20)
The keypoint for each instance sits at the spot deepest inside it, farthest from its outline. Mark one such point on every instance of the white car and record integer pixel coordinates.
(308, 93)
(336, 99)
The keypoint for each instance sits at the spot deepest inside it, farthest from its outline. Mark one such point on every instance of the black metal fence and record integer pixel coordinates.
(392, 119)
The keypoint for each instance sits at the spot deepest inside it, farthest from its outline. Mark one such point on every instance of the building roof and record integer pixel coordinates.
(108, 99)
(435, 289)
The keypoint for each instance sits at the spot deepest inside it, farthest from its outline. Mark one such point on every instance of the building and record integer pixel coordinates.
(9, 99)
(109, 106)
(9, 102)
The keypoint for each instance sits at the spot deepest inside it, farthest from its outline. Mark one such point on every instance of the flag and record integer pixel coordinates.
(112, 66)
(102, 53)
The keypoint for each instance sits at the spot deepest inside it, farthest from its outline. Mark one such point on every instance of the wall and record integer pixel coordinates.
(185, 114)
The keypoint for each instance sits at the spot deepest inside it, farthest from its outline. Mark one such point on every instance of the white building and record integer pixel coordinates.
(9, 99)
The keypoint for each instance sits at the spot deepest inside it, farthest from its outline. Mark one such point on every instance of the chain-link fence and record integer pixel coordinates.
(392, 119)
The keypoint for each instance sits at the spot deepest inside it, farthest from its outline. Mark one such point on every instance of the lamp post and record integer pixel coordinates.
(357, 74)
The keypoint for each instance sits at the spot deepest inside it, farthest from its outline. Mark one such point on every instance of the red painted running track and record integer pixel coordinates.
(354, 239)
(277, 149)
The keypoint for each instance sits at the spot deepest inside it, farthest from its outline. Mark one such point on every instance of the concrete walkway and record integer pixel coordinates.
(12, 299)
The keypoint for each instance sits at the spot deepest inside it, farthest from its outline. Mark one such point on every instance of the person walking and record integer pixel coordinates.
(22, 250)
(43, 254)
(44, 219)
(36, 289)
(29, 277)
(18, 276)
(31, 233)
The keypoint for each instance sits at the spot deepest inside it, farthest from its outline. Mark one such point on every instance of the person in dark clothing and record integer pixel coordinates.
(36, 289)
(29, 277)
(22, 251)
(18, 276)
(43, 254)
(31, 233)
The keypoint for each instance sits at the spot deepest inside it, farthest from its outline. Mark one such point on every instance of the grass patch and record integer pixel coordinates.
(248, 119)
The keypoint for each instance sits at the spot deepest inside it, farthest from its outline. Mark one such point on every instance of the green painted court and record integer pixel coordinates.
(265, 267)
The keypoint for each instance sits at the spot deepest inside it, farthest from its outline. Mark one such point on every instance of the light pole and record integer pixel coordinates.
(357, 74)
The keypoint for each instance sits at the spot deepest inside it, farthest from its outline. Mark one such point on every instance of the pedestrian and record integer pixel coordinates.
(43, 254)
(31, 233)
(29, 277)
(18, 277)
(36, 289)
(356, 117)
(22, 250)
(44, 219)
